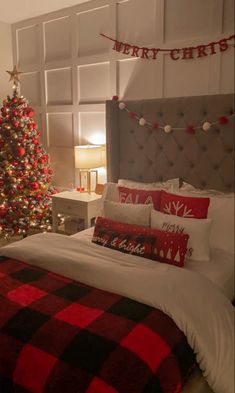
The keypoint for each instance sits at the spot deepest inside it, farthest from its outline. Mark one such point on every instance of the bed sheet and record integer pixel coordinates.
(220, 268)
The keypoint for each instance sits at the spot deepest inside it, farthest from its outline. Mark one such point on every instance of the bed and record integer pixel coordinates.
(193, 303)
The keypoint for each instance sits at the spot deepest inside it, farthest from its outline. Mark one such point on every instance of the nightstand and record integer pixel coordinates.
(76, 204)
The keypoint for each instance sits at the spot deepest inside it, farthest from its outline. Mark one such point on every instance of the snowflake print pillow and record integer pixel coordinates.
(184, 206)
(138, 240)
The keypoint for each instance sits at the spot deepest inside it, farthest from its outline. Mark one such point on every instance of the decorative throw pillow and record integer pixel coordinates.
(170, 185)
(198, 231)
(134, 195)
(184, 206)
(221, 211)
(142, 241)
(130, 213)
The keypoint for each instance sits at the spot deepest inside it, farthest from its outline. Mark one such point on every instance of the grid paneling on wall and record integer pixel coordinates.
(69, 70)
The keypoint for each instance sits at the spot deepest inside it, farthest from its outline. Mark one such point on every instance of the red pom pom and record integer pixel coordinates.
(20, 151)
(115, 98)
(190, 129)
(131, 115)
(223, 120)
(155, 126)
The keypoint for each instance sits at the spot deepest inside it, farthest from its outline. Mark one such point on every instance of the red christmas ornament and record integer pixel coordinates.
(30, 112)
(38, 197)
(20, 187)
(34, 185)
(20, 151)
(44, 170)
(50, 171)
(14, 100)
(15, 113)
(15, 124)
(190, 129)
(155, 126)
(37, 150)
(3, 210)
(34, 165)
(115, 98)
(223, 120)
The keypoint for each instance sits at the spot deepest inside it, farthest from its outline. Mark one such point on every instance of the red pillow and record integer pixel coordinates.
(184, 206)
(133, 195)
(149, 243)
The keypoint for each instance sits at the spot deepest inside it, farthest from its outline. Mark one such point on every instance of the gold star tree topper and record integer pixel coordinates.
(15, 76)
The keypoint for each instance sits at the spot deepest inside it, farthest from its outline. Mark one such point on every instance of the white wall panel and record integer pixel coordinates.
(92, 128)
(60, 129)
(228, 19)
(136, 21)
(93, 82)
(30, 87)
(138, 79)
(59, 87)
(57, 39)
(185, 77)
(62, 163)
(89, 26)
(78, 70)
(187, 18)
(28, 46)
(227, 74)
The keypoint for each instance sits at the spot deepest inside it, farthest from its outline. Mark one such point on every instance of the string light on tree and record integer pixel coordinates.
(25, 173)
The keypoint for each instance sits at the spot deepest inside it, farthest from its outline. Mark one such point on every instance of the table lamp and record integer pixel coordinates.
(87, 159)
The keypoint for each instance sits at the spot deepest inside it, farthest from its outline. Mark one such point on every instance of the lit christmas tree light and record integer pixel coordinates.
(25, 173)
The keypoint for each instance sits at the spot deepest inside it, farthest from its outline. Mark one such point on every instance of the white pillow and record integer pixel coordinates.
(197, 229)
(129, 213)
(110, 193)
(221, 211)
(172, 184)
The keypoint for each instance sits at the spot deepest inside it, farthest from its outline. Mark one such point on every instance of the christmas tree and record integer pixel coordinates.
(25, 173)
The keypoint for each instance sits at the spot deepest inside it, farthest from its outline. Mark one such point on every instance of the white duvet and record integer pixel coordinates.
(196, 305)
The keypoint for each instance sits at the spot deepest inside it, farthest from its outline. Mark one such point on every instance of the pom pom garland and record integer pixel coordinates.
(190, 129)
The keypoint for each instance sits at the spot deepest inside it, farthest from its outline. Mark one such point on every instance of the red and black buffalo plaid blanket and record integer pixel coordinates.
(60, 336)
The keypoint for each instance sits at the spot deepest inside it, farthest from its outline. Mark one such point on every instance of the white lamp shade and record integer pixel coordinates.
(89, 156)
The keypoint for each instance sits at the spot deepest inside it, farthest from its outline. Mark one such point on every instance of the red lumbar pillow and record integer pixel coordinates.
(142, 241)
(184, 206)
(134, 195)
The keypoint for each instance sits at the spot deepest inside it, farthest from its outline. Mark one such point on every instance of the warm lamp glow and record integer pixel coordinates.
(89, 156)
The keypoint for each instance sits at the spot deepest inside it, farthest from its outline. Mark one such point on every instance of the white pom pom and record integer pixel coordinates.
(167, 128)
(142, 121)
(122, 105)
(206, 126)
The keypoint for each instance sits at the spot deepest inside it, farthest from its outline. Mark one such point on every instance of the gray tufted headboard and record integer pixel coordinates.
(205, 159)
